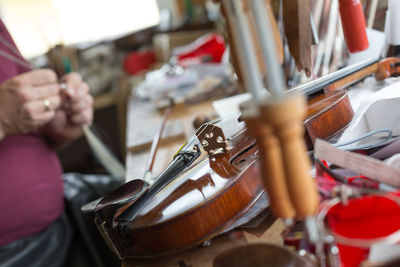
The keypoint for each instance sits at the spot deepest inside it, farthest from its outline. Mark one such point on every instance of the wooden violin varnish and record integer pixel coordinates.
(271, 157)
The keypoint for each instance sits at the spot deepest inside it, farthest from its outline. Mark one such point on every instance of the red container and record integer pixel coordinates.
(138, 61)
(364, 221)
(353, 23)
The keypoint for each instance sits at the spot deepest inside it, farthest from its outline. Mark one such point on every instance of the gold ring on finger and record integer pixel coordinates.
(46, 104)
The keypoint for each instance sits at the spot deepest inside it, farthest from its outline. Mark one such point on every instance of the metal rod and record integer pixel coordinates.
(252, 76)
(268, 48)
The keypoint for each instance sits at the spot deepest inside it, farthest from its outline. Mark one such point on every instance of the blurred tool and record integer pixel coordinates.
(372, 14)
(296, 15)
(281, 116)
(112, 165)
(353, 23)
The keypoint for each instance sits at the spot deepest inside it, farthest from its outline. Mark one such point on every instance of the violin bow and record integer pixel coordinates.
(147, 177)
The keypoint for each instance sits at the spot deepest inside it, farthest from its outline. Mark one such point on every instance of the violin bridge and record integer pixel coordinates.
(212, 139)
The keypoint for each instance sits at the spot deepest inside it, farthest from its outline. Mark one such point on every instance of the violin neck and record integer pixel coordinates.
(339, 79)
(353, 78)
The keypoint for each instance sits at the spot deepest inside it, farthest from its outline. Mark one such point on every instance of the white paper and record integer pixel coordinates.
(393, 34)
(229, 105)
(381, 252)
(380, 110)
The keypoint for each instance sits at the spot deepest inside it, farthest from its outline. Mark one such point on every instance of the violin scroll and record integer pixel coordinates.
(388, 67)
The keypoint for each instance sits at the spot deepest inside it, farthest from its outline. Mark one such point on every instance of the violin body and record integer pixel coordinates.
(198, 204)
(206, 198)
(327, 116)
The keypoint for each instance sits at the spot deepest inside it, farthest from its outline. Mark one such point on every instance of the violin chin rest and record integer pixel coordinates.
(127, 193)
(120, 196)
(90, 207)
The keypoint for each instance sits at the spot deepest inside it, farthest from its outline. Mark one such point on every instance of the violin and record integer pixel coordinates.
(208, 197)
(328, 114)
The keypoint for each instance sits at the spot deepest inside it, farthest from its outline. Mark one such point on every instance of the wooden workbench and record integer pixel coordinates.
(202, 256)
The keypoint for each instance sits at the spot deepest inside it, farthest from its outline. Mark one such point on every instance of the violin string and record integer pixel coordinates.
(10, 46)
(213, 122)
(214, 125)
(194, 139)
(15, 59)
(15, 56)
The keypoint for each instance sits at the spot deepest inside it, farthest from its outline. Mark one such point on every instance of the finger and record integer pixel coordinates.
(72, 77)
(72, 81)
(34, 108)
(82, 90)
(44, 118)
(40, 120)
(84, 103)
(78, 91)
(39, 92)
(34, 78)
(85, 117)
(65, 102)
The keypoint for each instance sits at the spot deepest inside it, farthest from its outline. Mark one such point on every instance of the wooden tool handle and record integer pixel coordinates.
(272, 167)
(286, 118)
(274, 177)
(301, 186)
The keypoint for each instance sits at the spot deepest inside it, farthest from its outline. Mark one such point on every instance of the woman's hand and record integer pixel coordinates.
(76, 110)
(28, 101)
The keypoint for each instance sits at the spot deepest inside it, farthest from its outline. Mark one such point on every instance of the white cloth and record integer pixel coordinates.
(375, 110)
